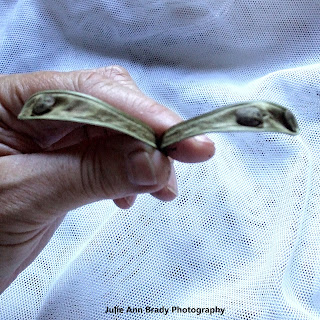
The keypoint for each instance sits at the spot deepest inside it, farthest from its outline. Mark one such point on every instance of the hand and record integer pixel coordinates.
(49, 167)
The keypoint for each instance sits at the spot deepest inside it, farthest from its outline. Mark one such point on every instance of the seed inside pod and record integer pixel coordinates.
(43, 104)
(249, 116)
(290, 121)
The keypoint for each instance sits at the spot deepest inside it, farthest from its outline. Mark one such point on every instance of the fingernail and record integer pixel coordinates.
(202, 138)
(173, 191)
(140, 169)
(172, 185)
(130, 200)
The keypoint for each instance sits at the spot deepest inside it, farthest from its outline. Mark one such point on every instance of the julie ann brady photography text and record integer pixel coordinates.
(166, 310)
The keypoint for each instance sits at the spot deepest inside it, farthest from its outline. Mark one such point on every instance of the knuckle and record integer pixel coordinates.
(105, 77)
(116, 72)
(119, 75)
(87, 80)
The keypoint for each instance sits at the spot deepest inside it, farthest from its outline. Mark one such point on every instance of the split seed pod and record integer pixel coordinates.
(257, 116)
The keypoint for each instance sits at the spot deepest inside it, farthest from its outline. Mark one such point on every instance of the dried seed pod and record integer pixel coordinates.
(79, 107)
(258, 116)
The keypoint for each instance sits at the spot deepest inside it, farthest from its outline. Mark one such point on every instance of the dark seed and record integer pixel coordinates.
(43, 105)
(290, 121)
(249, 116)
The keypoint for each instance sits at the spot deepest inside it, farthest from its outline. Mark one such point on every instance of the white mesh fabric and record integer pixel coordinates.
(243, 234)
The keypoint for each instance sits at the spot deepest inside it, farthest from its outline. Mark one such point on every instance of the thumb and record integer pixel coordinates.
(51, 183)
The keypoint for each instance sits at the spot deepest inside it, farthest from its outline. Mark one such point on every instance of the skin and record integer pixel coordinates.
(49, 167)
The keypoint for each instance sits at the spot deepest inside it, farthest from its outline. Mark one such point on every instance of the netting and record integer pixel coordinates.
(241, 241)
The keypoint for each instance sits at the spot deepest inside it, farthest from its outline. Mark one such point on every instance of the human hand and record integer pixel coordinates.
(50, 167)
